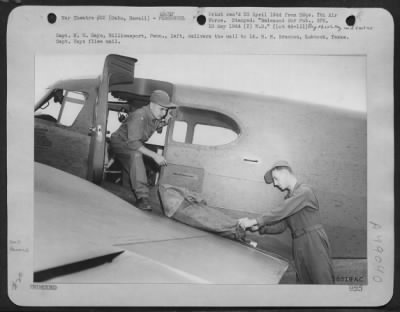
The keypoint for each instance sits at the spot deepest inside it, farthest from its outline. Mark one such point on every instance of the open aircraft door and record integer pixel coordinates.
(197, 139)
(71, 110)
(117, 70)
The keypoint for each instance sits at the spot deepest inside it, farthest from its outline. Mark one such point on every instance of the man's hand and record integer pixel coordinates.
(168, 116)
(254, 228)
(160, 160)
(245, 223)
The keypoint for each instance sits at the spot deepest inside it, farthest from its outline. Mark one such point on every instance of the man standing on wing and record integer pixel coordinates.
(299, 212)
(127, 143)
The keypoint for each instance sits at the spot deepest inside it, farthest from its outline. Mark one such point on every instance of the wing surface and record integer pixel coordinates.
(76, 220)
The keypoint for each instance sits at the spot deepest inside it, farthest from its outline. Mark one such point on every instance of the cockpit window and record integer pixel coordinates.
(61, 106)
(50, 107)
(72, 105)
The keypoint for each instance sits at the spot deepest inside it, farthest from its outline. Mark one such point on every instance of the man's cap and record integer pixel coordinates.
(161, 97)
(268, 175)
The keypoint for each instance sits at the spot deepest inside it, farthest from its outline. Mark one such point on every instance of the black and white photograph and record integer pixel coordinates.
(199, 154)
(161, 169)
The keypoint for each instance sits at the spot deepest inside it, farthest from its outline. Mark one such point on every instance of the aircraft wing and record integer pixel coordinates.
(83, 233)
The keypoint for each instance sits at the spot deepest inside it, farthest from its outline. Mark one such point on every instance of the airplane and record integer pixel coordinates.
(219, 143)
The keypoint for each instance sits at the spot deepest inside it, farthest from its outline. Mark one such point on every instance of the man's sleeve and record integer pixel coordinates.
(275, 228)
(299, 200)
(135, 124)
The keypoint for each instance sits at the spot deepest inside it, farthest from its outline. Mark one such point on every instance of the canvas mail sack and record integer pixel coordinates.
(190, 208)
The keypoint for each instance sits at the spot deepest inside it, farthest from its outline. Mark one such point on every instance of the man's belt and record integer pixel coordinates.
(301, 232)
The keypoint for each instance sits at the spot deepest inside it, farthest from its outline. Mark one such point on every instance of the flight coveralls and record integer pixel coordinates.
(311, 249)
(125, 142)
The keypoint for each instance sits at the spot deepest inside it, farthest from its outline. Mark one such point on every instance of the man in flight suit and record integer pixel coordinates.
(127, 143)
(300, 212)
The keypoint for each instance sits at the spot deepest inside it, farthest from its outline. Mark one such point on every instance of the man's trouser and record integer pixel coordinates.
(312, 258)
(133, 165)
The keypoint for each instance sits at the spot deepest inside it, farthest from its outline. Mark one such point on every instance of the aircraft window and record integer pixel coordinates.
(73, 104)
(50, 110)
(180, 128)
(76, 96)
(212, 135)
(205, 127)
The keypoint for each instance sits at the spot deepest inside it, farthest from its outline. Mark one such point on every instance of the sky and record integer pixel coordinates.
(337, 81)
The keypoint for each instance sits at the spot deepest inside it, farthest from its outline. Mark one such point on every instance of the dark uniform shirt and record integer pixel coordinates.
(301, 205)
(311, 250)
(137, 128)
